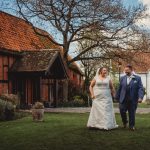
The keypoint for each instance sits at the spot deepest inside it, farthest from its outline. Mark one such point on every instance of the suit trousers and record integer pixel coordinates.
(129, 106)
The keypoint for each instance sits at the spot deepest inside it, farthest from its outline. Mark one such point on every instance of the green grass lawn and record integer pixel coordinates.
(66, 131)
(143, 105)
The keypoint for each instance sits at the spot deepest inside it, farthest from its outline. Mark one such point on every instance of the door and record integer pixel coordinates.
(35, 90)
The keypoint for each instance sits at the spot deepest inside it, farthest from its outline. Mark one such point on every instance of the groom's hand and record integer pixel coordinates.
(139, 100)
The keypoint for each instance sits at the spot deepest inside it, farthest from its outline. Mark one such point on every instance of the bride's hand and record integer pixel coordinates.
(113, 94)
(93, 97)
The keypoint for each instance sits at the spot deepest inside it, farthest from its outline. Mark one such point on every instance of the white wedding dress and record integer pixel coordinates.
(102, 113)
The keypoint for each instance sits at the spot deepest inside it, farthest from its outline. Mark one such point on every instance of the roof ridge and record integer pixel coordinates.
(42, 50)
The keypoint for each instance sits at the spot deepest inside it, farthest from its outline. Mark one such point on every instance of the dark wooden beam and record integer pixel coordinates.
(4, 81)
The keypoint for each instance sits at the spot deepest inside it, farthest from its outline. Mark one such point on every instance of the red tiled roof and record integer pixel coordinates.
(17, 35)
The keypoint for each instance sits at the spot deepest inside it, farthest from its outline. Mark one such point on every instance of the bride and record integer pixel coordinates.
(102, 113)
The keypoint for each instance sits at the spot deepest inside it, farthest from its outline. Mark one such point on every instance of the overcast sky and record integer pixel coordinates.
(146, 21)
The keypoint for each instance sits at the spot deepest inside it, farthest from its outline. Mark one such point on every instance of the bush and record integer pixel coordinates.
(116, 84)
(85, 96)
(144, 89)
(2, 109)
(14, 99)
(76, 102)
(7, 110)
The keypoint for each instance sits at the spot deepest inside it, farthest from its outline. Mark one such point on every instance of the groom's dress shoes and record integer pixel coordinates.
(125, 125)
(132, 128)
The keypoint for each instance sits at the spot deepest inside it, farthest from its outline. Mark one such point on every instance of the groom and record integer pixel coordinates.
(129, 93)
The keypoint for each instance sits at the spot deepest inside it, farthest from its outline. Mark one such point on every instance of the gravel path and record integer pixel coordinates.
(87, 109)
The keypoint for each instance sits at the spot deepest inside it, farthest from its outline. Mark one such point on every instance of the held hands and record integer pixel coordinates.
(113, 95)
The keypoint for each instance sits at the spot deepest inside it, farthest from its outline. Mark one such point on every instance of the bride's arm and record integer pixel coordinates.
(112, 88)
(91, 88)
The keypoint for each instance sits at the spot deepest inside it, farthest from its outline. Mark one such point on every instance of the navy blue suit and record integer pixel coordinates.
(128, 96)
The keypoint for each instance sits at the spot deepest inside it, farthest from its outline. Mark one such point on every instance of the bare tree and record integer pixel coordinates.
(89, 66)
(124, 45)
(110, 56)
(73, 19)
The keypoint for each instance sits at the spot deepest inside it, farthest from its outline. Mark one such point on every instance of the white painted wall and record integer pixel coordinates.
(144, 81)
(148, 85)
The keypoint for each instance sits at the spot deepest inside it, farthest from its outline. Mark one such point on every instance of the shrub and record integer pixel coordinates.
(76, 102)
(116, 84)
(2, 109)
(144, 89)
(7, 110)
(85, 96)
(14, 99)
(79, 103)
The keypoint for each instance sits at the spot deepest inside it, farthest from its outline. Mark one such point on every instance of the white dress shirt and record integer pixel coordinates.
(129, 78)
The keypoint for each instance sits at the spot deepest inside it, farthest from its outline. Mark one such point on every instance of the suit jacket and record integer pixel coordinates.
(136, 89)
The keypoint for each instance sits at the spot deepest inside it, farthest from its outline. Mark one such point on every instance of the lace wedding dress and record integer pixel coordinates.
(102, 113)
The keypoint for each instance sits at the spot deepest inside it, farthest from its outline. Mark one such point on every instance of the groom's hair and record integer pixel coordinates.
(129, 66)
